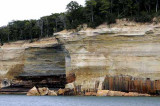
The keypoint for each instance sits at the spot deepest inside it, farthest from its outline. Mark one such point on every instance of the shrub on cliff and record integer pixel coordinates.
(144, 17)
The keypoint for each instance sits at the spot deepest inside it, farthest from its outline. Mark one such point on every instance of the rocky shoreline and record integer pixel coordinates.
(72, 92)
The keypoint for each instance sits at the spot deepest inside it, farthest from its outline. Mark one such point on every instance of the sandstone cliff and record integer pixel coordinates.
(13, 55)
(123, 56)
(120, 51)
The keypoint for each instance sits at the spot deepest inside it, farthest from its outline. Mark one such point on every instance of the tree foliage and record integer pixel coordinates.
(94, 13)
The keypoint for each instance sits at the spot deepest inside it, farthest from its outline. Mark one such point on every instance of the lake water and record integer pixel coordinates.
(22, 100)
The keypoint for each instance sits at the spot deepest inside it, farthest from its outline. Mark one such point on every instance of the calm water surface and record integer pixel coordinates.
(22, 100)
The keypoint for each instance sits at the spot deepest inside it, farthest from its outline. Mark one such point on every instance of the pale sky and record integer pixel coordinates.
(30, 9)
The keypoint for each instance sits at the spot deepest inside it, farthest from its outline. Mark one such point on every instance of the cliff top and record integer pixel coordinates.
(122, 27)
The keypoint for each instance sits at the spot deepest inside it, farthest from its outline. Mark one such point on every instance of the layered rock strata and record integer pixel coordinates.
(24, 65)
(126, 52)
(124, 57)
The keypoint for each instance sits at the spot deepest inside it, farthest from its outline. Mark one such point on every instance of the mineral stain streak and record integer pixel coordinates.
(131, 84)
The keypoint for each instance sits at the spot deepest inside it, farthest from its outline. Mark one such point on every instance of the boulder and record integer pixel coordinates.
(135, 94)
(118, 93)
(33, 92)
(70, 93)
(61, 91)
(43, 91)
(52, 93)
(111, 93)
(66, 91)
(144, 95)
(132, 94)
(126, 94)
(70, 86)
(102, 93)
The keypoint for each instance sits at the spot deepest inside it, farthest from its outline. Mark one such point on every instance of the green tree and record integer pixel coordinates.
(91, 6)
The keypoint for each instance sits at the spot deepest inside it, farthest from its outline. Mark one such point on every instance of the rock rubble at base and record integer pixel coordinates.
(90, 93)
(41, 92)
(33, 92)
(70, 92)
(118, 93)
(52, 93)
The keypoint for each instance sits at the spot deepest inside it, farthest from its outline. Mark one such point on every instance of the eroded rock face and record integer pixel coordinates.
(5, 83)
(44, 61)
(41, 63)
(120, 51)
(11, 60)
(92, 60)
(13, 56)
(127, 49)
(131, 84)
